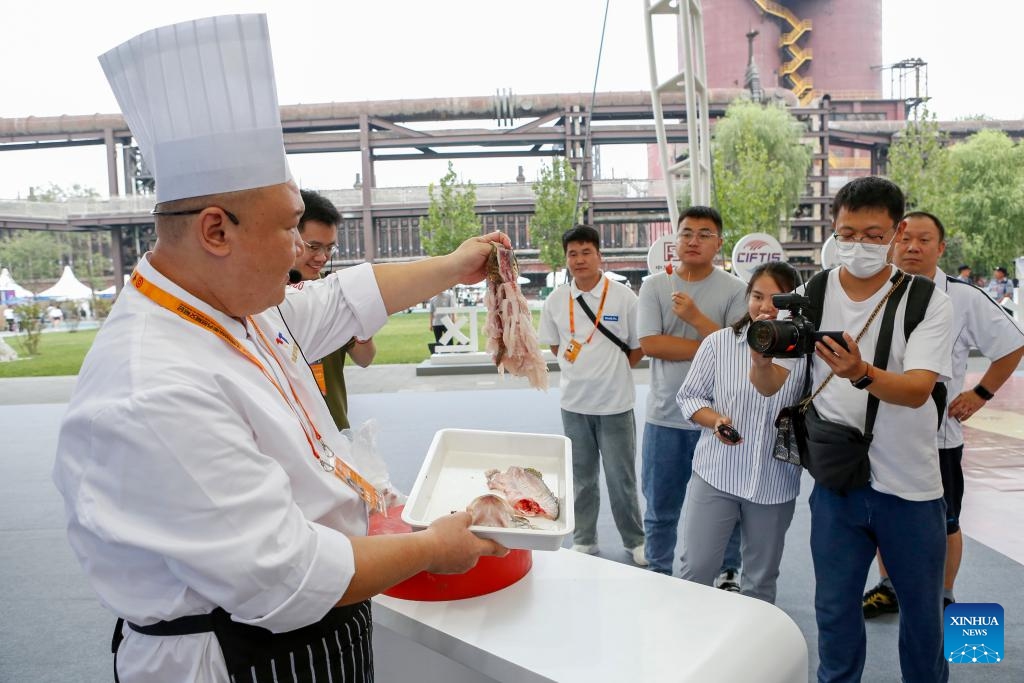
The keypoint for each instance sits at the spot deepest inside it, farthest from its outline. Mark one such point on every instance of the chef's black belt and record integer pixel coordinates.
(339, 643)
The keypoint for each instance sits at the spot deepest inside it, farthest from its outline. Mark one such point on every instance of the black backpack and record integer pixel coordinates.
(918, 296)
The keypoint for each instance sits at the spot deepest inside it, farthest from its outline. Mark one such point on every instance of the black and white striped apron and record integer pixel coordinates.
(336, 649)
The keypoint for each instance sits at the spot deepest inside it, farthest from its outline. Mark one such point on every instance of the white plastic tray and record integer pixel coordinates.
(452, 475)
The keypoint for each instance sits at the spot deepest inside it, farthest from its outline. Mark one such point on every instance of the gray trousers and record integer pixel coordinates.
(709, 516)
(610, 439)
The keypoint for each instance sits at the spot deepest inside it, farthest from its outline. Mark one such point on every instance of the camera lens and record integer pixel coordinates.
(772, 337)
(761, 336)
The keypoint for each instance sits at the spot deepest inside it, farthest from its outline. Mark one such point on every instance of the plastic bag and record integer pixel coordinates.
(366, 458)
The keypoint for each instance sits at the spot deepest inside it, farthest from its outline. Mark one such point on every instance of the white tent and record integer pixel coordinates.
(67, 288)
(110, 291)
(555, 279)
(615, 277)
(9, 289)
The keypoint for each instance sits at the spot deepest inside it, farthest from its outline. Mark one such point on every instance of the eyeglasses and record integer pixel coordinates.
(192, 212)
(703, 235)
(851, 238)
(328, 250)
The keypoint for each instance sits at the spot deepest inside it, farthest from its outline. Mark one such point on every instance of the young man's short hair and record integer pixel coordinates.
(581, 233)
(934, 219)
(963, 267)
(318, 208)
(703, 212)
(870, 192)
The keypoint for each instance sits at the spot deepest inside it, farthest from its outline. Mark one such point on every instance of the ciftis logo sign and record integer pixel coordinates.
(974, 633)
(753, 250)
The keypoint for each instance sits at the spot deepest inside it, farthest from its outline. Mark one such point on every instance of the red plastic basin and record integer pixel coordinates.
(490, 573)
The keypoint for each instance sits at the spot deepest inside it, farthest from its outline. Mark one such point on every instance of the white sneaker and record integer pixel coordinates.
(588, 549)
(640, 555)
(729, 580)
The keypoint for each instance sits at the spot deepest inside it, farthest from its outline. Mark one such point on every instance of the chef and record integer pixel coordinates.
(209, 500)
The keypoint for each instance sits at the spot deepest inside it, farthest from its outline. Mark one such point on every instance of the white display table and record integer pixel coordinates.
(575, 617)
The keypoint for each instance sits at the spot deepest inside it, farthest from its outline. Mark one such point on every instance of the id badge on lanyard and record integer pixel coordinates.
(572, 350)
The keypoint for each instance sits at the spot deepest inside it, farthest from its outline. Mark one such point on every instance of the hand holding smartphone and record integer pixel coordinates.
(729, 433)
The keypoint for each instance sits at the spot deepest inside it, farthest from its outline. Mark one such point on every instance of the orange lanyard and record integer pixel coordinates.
(597, 318)
(330, 462)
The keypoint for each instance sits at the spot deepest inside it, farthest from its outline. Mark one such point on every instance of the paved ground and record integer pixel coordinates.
(53, 629)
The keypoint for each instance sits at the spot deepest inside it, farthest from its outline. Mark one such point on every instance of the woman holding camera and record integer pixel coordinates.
(735, 477)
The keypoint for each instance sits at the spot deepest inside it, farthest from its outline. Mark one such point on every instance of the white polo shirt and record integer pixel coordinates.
(904, 453)
(978, 322)
(600, 381)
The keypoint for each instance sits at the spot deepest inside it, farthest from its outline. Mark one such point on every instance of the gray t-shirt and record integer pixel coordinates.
(720, 296)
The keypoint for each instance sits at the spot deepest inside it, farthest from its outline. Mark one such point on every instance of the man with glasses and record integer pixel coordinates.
(318, 230)
(676, 311)
(900, 512)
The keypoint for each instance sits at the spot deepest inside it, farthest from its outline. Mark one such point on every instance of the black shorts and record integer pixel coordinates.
(952, 485)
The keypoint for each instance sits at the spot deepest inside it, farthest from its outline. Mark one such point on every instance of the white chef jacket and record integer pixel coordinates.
(188, 481)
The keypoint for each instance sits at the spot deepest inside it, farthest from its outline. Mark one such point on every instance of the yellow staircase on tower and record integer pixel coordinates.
(795, 56)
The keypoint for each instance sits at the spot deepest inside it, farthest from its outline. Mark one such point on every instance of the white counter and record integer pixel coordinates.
(575, 617)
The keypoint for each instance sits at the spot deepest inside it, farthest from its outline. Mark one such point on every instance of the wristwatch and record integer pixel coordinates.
(867, 378)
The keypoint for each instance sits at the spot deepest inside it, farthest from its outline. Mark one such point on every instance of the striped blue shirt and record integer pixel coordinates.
(719, 379)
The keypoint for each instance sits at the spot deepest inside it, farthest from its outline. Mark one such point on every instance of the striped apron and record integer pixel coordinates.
(336, 648)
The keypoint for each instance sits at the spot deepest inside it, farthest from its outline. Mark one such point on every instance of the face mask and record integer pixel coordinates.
(863, 260)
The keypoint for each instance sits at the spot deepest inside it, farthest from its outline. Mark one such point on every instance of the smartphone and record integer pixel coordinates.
(729, 433)
(837, 336)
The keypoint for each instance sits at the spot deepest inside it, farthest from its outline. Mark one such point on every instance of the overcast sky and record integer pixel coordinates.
(353, 50)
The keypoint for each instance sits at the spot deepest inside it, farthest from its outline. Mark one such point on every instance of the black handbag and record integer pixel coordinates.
(836, 455)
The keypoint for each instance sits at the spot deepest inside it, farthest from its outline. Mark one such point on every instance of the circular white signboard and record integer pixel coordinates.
(662, 252)
(752, 251)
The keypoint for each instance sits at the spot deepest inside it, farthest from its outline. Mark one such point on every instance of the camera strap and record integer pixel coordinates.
(604, 330)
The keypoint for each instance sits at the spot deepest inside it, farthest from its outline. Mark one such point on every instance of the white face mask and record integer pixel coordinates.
(863, 260)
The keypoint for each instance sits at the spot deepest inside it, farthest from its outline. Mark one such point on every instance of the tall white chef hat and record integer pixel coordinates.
(201, 101)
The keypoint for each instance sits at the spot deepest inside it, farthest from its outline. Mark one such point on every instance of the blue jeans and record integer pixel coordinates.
(845, 532)
(609, 440)
(667, 461)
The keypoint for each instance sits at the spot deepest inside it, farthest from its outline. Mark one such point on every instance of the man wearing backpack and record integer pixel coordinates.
(898, 507)
(978, 322)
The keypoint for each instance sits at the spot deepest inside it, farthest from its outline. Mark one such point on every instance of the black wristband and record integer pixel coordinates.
(984, 393)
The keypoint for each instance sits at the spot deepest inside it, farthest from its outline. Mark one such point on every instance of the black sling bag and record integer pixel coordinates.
(604, 330)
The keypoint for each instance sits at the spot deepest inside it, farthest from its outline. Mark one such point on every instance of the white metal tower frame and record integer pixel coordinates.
(692, 77)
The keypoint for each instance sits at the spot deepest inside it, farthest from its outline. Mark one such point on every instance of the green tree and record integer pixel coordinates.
(760, 168)
(55, 193)
(988, 199)
(31, 256)
(30, 327)
(451, 218)
(921, 164)
(554, 210)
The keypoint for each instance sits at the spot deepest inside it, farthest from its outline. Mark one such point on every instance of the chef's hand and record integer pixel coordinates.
(470, 258)
(846, 364)
(965, 405)
(457, 549)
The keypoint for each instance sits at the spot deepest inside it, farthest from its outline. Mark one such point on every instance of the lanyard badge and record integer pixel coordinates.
(572, 350)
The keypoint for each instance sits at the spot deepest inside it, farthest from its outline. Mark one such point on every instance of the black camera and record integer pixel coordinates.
(790, 338)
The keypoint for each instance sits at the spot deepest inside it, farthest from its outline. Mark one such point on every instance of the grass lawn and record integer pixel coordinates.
(402, 340)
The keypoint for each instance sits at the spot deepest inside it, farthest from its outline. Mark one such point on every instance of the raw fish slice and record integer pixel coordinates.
(511, 339)
(526, 490)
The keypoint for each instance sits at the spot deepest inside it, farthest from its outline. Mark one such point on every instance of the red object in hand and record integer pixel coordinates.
(490, 573)
(668, 268)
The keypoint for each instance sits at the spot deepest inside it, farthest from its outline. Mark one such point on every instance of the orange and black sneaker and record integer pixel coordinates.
(880, 600)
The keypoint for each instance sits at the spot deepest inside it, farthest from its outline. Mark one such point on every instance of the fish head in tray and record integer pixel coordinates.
(454, 474)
